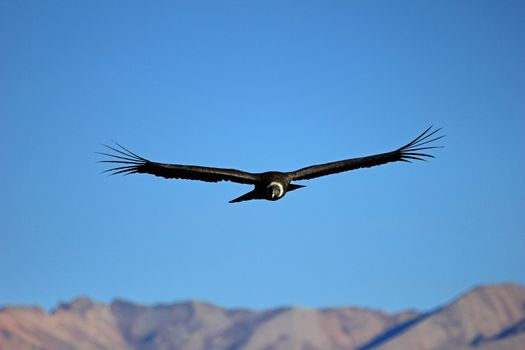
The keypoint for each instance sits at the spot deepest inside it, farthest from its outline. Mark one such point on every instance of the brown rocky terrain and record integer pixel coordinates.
(486, 318)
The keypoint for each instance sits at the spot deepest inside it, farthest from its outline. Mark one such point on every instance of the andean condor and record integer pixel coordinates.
(271, 185)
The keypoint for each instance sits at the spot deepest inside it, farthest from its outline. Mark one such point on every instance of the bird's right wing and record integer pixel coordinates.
(129, 163)
(411, 151)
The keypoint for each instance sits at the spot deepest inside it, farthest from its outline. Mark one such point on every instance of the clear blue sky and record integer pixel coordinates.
(261, 85)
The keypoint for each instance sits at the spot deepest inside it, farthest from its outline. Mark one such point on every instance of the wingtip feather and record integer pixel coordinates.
(130, 161)
(411, 150)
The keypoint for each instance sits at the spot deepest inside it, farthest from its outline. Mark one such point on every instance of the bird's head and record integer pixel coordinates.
(274, 191)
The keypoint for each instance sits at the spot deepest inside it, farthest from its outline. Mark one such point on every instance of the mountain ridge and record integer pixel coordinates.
(485, 317)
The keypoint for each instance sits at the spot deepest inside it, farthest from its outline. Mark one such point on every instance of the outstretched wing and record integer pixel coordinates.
(406, 153)
(128, 162)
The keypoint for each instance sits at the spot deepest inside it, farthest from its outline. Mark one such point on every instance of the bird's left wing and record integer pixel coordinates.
(411, 151)
(129, 163)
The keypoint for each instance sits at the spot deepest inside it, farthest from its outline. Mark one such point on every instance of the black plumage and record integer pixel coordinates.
(271, 185)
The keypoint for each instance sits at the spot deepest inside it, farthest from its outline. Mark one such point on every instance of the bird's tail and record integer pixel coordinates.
(292, 187)
(245, 197)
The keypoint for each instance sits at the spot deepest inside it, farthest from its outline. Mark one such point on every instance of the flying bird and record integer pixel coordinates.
(271, 185)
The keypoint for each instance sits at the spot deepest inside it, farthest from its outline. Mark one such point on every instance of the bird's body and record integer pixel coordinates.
(271, 185)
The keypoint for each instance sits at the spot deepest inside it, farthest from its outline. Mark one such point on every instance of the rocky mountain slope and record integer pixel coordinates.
(486, 318)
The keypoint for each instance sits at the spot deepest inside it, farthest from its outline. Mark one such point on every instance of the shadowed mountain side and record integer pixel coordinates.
(482, 313)
(194, 325)
(486, 318)
(506, 339)
(301, 328)
(189, 325)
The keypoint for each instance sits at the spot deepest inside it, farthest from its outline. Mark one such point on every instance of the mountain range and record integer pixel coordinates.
(484, 318)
